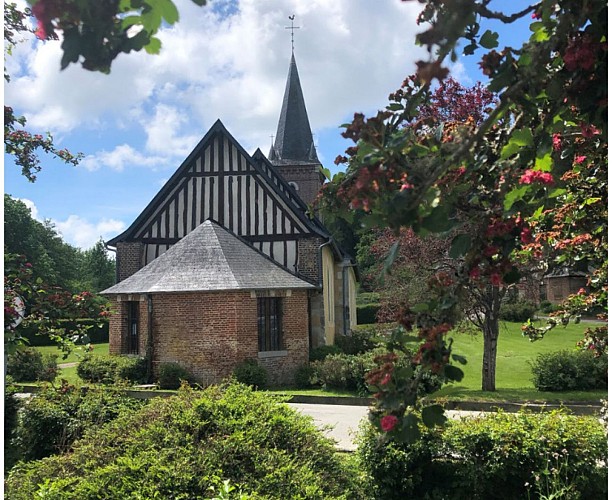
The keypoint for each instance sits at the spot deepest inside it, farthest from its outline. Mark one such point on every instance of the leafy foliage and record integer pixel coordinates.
(95, 34)
(171, 375)
(52, 421)
(29, 365)
(528, 179)
(179, 447)
(108, 370)
(251, 373)
(517, 312)
(570, 370)
(494, 456)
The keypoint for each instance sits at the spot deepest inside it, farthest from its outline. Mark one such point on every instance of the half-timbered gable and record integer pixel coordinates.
(220, 181)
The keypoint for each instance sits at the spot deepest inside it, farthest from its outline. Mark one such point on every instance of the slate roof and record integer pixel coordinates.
(293, 143)
(210, 258)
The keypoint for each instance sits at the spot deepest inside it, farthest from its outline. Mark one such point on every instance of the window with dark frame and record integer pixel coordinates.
(269, 316)
(132, 328)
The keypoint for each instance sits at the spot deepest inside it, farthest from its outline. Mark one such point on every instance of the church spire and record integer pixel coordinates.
(294, 143)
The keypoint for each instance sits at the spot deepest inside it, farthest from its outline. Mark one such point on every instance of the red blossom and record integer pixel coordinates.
(526, 236)
(496, 279)
(557, 142)
(532, 176)
(589, 131)
(579, 159)
(388, 423)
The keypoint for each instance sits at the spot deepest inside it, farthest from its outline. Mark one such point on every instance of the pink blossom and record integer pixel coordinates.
(388, 423)
(588, 131)
(579, 159)
(386, 379)
(557, 142)
(474, 273)
(531, 176)
(526, 236)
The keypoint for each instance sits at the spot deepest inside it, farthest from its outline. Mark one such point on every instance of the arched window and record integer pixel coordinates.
(294, 186)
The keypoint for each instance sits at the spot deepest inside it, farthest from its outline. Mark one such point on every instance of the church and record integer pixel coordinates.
(227, 262)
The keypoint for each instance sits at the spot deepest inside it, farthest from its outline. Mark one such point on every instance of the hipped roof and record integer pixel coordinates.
(210, 258)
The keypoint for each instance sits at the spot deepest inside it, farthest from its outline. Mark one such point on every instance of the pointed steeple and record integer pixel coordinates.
(293, 143)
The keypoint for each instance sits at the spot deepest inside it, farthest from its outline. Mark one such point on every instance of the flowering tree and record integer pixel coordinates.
(529, 180)
(30, 301)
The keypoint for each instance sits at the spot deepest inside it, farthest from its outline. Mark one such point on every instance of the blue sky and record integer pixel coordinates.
(229, 61)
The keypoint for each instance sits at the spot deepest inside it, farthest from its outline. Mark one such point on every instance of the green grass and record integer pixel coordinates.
(70, 374)
(77, 353)
(513, 376)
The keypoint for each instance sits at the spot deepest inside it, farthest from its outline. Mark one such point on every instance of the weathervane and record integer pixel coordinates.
(292, 28)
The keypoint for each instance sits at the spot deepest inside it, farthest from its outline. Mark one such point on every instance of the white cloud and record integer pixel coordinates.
(121, 157)
(84, 234)
(30, 204)
(350, 53)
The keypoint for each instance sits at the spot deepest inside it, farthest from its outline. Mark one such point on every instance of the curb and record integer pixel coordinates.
(574, 408)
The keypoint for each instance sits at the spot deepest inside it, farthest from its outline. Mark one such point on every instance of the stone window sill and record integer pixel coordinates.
(271, 354)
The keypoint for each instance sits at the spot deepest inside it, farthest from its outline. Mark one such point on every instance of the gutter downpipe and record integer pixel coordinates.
(149, 350)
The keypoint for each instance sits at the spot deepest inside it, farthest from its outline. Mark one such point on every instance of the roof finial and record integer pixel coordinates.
(292, 28)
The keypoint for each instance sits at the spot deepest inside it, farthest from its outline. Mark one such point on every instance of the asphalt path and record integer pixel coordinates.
(341, 422)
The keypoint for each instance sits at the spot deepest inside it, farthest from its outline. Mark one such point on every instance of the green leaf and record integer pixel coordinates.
(459, 359)
(513, 196)
(199, 3)
(544, 164)
(438, 220)
(513, 276)
(421, 307)
(453, 373)
(409, 431)
(395, 106)
(71, 47)
(489, 39)
(154, 46)
(168, 11)
(460, 245)
(433, 415)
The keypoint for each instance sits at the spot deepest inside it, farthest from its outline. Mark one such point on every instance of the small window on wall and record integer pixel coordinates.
(294, 186)
(132, 328)
(269, 314)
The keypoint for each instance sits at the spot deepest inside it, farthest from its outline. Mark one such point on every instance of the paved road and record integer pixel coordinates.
(341, 422)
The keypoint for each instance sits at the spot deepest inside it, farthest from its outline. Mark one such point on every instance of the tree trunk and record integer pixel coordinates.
(489, 356)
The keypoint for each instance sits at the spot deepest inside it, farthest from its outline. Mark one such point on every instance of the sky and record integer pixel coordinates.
(228, 61)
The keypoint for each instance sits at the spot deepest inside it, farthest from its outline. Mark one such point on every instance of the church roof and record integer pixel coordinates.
(293, 143)
(209, 258)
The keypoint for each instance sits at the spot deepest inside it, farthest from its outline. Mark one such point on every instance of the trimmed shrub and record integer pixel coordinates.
(108, 370)
(97, 369)
(364, 298)
(180, 447)
(517, 312)
(171, 376)
(55, 418)
(132, 368)
(362, 338)
(251, 373)
(569, 371)
(30, 365)
(321, 352)
(344, 371)
(367, 313)
(305, 377)
(495, 456)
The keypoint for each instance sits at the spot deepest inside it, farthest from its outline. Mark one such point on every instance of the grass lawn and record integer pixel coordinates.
(513, 377)
(70, 373)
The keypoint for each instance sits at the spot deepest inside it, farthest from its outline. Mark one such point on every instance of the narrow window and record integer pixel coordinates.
(269, 323)
(132, 328)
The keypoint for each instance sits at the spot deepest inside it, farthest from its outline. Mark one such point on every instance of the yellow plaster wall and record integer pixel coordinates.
(329, 295)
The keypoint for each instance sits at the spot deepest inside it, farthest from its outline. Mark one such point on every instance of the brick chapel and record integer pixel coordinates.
(227, 264)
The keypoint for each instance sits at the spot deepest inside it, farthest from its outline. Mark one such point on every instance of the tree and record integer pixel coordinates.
(98, 269)
(527, 179)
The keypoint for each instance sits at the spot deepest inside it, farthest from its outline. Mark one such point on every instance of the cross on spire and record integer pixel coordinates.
(292, 28)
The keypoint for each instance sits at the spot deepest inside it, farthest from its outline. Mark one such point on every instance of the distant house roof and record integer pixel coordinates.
(293, 143)
(210, 258)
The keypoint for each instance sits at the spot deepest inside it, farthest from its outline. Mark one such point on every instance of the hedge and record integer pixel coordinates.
(97, 334)
(366, 314)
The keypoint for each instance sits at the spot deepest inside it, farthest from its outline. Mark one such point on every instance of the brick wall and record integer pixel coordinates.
(307, 177)
(129, 258)
(308, 257)
(210, 333)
